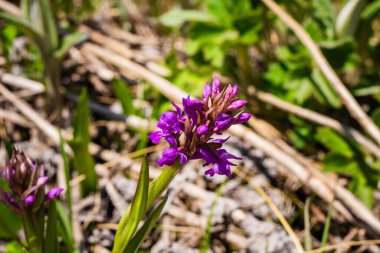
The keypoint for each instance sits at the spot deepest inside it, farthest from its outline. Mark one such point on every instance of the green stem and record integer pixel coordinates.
(32, 232)
(156, 188)
(243, 61)
(53, 81)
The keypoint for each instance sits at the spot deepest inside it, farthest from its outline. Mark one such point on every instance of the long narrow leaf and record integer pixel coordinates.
(205, 244)
(123, 93)
(22, 25)
(65, 229)
(83, 161)
(49, 24)
(67, 177)
(136, 241)
(156, 188)
(326, 228)
(51, 237)
(67, 42)
(138, 209)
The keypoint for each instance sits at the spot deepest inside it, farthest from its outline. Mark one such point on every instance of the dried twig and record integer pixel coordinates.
(277, 212)
(9, 7)
(319, 119)
(352, 105)
(345, 244)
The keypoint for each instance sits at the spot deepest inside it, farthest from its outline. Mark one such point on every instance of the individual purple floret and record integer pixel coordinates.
(26, 182)
(197, 122)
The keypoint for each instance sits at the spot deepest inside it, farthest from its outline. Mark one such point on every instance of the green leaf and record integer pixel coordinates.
(371, 10)
(124, 95)
(65, 229)
(10, 223)
(326, 228)
(136, 241)
(14, 247)
(334, 142)
(276, 74)
(176, 18)
(366, 90)
(66, 166)
(137, 211)
(221, 11)
(67, 42)
(349, 17)
(83, 161)
(360, 187)
(48, 22)
(324, 87)
(23, 25)
(51, 236)
(337, 163)
(156, 188)
(376, 117)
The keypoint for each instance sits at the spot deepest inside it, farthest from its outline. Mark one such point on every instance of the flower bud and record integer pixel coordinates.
(236, 105)
(202, 129)
(207, 91)
(215, 86)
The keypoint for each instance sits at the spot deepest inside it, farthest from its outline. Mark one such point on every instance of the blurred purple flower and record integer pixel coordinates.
(26, 182)
(197, 123)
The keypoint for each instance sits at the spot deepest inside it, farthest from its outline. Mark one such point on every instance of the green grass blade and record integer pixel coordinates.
(205, 244)
(65, 229)
(325, 88)
(326, 228)
(51, 236)
(138, 208)
(308, 244)
(83, 161)
(67, 177)
(136, 241)
(124, 95)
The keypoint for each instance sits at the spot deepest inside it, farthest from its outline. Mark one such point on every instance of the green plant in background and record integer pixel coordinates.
(38, 23)
(76, 11)
(221, 34)
(25, 196)
(347, 158)
(83, 161)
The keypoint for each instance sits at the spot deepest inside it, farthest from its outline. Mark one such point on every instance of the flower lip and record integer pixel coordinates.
(53, 193)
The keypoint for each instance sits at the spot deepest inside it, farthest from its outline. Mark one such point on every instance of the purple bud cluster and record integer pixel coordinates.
(189, 131)
(26, 182)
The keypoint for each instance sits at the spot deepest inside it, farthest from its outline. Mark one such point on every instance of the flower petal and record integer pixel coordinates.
(155, 137)
(29, 200)
(53, 193)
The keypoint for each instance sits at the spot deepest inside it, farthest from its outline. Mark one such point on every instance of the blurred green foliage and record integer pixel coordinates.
(83, 161)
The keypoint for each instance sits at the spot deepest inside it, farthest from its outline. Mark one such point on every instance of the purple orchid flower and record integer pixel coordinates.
(197, 123)
(26, 182)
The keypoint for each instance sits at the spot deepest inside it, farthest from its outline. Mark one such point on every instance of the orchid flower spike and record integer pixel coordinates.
(198, 122)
